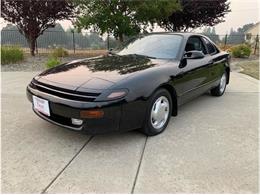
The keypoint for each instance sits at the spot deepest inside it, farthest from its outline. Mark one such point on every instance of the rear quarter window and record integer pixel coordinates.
(211, 47)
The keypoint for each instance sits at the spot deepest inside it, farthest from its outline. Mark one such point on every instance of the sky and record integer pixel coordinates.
(242, 12)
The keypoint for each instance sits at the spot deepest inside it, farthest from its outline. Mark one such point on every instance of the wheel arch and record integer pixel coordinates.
(173, 94)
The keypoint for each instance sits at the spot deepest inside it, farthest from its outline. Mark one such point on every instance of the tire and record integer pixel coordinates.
(220, 89)
(159, 109)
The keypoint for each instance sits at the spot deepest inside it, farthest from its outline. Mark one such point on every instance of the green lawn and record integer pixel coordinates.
(250, 68)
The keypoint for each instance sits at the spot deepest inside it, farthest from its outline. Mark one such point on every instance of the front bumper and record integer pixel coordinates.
(62, 110)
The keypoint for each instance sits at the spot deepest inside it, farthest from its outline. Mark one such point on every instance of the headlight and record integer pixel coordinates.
(116, 95)
(110, 95)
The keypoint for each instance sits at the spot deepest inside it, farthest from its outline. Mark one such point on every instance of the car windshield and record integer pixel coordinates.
(154, 46)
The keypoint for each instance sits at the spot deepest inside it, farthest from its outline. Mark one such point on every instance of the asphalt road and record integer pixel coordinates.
(210, 147)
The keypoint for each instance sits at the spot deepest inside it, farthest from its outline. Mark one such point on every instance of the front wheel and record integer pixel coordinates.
(220, 89)
(158, 113)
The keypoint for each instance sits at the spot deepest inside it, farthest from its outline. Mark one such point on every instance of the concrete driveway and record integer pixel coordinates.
(210, 147)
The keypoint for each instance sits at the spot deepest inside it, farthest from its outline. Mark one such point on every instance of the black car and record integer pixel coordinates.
(138, 87)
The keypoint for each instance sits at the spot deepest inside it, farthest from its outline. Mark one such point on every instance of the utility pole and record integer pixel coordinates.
(73, 39)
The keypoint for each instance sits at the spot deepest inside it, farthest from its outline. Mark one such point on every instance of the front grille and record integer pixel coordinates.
(64, 93)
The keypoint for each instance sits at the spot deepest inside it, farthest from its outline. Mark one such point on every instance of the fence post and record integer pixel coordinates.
(256, 43)
(73, 39)
(108, 41)
(225, 41)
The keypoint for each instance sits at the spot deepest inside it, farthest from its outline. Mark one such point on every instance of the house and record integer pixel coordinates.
(252, 33)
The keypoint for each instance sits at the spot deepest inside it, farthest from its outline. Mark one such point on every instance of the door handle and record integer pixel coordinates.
(211, 62)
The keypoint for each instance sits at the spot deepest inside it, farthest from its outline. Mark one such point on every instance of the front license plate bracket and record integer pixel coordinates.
(41, 105)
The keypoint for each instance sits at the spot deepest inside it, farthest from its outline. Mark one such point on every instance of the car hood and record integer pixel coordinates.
(96, 73)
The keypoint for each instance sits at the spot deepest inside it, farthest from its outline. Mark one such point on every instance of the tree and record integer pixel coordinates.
(196, 13)
(33, 17)
(238, 36)
(211, 33)
(246, 27)
(122, 18)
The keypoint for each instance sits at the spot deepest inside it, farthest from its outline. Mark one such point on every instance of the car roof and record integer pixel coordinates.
(185, 34)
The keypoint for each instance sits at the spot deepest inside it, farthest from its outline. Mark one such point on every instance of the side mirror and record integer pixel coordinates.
(194, 54)
(110, 51)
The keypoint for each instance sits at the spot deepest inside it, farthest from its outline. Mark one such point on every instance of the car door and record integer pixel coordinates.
(217, 65)
(192, 79)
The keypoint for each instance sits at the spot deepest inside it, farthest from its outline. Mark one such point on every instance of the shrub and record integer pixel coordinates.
(59, 52)
(225, 47)
(11, 54)
(52, 62)
(241, 51)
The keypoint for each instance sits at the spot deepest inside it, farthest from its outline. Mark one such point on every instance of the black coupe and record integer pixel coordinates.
(137, 87)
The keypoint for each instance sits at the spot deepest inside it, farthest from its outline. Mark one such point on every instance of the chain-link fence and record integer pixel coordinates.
(74, 42)
(79, 42)
(227, 41)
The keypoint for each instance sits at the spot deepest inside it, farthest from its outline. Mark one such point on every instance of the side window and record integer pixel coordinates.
(195, 43)
(211, 48)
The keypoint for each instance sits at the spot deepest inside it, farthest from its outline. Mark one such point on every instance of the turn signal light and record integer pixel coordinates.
(91, 114)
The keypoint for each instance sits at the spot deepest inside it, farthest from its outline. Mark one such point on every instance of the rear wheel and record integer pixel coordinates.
(158, 113)
(220, 89)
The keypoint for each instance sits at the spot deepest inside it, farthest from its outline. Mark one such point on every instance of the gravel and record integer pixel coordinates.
(30, 64)
(37, 63)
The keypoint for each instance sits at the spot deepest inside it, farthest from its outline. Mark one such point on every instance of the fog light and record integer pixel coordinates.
(76, 121)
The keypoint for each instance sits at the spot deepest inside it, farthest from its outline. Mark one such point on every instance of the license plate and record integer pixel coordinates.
(41, 105)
